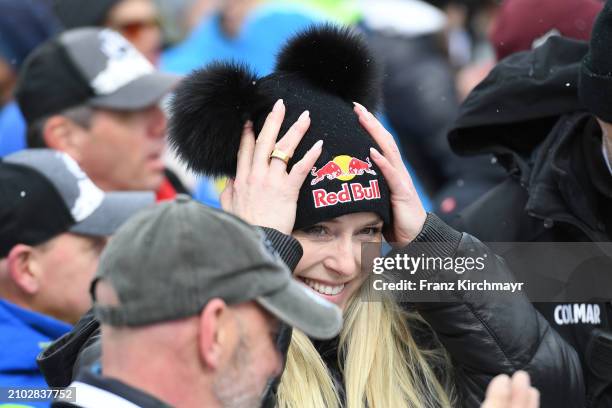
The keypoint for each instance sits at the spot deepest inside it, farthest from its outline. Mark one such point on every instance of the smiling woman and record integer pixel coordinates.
(343, 185)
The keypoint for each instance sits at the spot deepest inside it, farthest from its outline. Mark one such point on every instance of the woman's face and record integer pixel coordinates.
(331, 264)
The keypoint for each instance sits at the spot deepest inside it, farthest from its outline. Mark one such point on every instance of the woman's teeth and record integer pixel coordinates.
(324, 289)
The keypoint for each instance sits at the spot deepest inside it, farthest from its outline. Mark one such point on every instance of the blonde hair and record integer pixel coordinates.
(383, 366)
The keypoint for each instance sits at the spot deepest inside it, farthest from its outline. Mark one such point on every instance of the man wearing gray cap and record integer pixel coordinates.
(54, 222)
(88, 92)
(189, 299)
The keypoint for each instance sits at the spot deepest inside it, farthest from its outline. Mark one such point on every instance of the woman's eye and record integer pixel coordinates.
(317, 231)
(371, 231)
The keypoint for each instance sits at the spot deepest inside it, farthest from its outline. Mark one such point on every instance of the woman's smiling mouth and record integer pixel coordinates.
(324, 289)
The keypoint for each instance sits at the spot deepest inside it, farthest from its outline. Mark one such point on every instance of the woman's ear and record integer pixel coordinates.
(23, 268)
(216, 335)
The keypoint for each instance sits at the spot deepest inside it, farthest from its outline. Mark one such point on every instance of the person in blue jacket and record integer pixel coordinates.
(48, 258)
(24, 25)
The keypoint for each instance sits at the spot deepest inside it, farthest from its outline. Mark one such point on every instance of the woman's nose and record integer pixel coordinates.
(342, 258)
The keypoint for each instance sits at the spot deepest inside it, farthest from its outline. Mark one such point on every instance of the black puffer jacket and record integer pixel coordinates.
(558, 188)
(486, 334)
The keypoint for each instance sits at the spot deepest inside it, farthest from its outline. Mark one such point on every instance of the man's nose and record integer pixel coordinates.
(157, 123)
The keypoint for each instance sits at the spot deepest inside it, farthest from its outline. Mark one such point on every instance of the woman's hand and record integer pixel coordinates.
(263, 193)
(408, 212)
(515, 392)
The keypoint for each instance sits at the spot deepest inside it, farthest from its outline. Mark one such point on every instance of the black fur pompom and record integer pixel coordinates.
(207, 115)
(335, 59)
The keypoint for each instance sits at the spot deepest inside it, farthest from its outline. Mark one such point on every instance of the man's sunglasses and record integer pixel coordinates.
(133, 29)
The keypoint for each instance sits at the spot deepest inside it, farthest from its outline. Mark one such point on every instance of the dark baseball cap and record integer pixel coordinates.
(44, 193)
(88, 66)
(168, 262)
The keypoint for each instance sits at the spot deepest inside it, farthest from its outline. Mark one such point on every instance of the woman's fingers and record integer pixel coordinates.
(380, 135)
(267, 138)
(515, 392)
(397, 184)
(302, 168)
(290, 141)
(408, 213)
(498, 393)
(520, 390)
(534, 398)
(245, 152)
(227, 195)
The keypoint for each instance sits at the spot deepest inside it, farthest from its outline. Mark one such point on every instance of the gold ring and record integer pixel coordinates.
(279, 154)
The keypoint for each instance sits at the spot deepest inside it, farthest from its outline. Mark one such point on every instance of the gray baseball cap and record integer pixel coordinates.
(90, 211)
(93, 66)
(169, 261)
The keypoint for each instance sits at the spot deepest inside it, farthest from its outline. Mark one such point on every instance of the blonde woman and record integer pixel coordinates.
(324, 171)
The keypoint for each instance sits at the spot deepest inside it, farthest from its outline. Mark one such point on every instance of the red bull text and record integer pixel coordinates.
(349, 192)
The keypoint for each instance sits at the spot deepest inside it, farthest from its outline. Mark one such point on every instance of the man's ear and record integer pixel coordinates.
(23, 269)
(216, 332)
(60, 133)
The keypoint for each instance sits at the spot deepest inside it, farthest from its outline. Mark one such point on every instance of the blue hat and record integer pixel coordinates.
(24, 24)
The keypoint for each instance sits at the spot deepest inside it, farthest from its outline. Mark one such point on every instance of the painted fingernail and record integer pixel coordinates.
(304, 116)
(278, 105)
(361, 108)
(317, 145)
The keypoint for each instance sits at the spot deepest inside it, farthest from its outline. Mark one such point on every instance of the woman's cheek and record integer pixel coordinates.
(310, 257)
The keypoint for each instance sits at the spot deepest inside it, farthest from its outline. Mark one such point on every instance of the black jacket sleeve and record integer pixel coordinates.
(61, 360)
(488, 333)
(287, 247)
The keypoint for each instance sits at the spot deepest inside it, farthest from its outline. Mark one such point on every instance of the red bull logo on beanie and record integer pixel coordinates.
(344, 168)
(349, 192)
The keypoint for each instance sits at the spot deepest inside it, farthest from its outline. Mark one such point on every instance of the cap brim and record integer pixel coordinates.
(114, 210)
(301, 308)
(138, 94)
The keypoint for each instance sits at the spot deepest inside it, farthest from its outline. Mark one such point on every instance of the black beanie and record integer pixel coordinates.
(79, 13)
(595, 83)
(322, 70)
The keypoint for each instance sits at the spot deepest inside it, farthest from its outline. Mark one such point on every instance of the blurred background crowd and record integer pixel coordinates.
(433, 51)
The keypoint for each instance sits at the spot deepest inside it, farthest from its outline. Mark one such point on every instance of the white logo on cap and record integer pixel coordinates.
(125, 64)
(90, 197)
